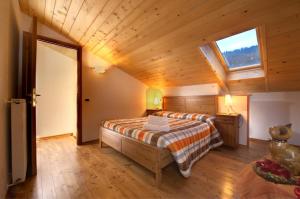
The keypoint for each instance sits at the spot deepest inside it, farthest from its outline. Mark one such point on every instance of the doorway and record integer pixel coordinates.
(27, 90)
(56, 88)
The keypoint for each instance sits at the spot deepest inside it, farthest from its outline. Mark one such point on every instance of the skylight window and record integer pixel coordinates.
(240, 50)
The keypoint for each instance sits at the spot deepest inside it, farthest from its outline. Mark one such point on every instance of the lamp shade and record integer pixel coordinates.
(156, 101)
(154, 98)
(228, 100)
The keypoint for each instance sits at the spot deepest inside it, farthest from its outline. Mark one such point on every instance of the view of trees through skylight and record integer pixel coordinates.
(240, 50)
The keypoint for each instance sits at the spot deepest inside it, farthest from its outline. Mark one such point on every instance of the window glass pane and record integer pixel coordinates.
(240, 50)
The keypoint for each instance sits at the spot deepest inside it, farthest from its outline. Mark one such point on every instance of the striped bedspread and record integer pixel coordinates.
(188, 140)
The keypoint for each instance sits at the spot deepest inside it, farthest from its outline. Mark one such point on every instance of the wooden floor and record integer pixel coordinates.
(69, 171)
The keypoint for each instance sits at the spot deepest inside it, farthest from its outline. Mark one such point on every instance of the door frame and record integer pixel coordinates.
(79, 79)
(31, 136)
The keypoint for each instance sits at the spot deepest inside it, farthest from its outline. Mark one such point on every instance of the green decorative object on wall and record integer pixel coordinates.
(154, 98)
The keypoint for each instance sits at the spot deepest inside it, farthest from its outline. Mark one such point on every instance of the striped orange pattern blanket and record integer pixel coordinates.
(188, 140)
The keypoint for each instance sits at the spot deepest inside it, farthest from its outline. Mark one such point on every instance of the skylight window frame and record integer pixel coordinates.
(221, 58)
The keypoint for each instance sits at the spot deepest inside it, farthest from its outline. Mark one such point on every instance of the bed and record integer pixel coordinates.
(191, 135)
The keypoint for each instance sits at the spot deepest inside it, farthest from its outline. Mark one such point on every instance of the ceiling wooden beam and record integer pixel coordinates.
(215, 65)
(246, 74)
(160, 48)
(263, 51)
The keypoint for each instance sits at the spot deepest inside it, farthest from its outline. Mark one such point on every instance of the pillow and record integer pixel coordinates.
(157, 120)
(187, 116)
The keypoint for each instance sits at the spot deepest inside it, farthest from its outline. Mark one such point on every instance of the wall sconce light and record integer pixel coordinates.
(228, 103)
(99, 70)
(156, 101)
(154, 98)
(98, 64)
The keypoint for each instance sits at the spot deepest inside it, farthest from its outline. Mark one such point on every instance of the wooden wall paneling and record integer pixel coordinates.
(246, 74)
(90, 36)
(125, 9)
(285, 39)
(188, 41)
(284, 54)
(195, 47)
(152, 15)
(216, 66)
(138, 36)
(196, 30)
(282, 84)
(176, 74)
(37, 8)
(261, 33)
(87, 14)
(191, 104)
(72, 14)
(285, 51)
(285, 68)
(60, 12)
(186, 62)
(181, 14)
(243, 87)
(179, 55)
(48, 12)
(203, 104)
(176, 104)
(32, 8)
(24, 6)
(283, 25)
(176, 67)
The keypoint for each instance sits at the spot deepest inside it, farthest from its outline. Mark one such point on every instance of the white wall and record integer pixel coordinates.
(48, 32)
(193, 90)
(269, 109)
(9, 40)
(56, 81)
(113, 94)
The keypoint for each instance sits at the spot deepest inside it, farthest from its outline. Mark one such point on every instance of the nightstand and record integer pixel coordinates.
(228, 126)
(151, 111)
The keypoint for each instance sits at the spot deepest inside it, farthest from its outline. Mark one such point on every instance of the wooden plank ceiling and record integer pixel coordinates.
(157, 41)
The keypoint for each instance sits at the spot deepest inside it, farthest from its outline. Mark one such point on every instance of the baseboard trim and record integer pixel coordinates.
(243, 146)
(54, 136)
(91, 142)
(268, 141)
(259, 140)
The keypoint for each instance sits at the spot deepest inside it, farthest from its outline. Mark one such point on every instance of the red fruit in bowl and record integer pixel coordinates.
(260, 163)
(297, 191)
(267, 161)
(285, 173)
(266, 168)
(282, 172)
(276, 172)
(275, 166)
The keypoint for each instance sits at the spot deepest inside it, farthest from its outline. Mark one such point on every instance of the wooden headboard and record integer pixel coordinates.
(191, 104)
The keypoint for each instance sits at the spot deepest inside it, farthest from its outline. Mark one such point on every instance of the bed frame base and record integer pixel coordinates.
(153, 158)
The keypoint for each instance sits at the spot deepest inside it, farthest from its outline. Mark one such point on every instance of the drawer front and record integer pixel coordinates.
(225, 120)
(229, 133)
(112, 139)
(143, 155)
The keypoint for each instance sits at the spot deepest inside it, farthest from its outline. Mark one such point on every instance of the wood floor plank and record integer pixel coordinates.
(67, 171)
